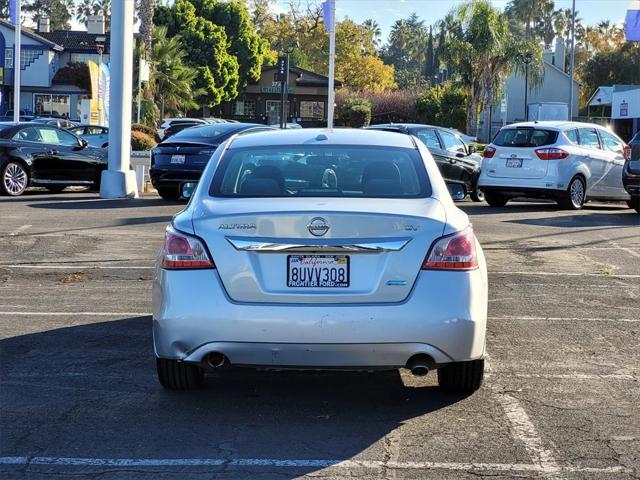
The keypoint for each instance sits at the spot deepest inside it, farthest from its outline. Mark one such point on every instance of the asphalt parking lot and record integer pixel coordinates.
(79, 396)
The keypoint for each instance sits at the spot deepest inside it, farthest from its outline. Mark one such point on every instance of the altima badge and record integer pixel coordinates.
(318, 226)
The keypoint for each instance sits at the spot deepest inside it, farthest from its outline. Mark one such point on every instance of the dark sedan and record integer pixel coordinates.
(182, 158)
(631, 172)
(453, 157)
(33, 154)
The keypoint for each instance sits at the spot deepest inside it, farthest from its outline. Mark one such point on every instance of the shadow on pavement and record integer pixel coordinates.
(90, 391)
(627, 219)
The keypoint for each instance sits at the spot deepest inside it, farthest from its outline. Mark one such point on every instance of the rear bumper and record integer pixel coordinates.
(444, 317)
(166, 177)
(530, 192)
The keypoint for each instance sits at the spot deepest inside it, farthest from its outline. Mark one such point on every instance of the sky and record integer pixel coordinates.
(386, 12)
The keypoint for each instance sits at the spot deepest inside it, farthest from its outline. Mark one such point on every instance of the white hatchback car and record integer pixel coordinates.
(568, 162)
(316, 249)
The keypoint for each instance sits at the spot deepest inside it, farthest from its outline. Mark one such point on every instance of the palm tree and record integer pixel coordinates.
(171, 81)
(484, 52)
(83, 11)
(527, 12)
(374, 30)
(103, 7)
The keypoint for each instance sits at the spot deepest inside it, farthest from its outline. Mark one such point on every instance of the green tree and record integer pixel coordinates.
(172, 83)
(484, 52)
(220, 41)
(373, 30)
(618, 66)
(529, 13)
(429, 68)
(59, 12)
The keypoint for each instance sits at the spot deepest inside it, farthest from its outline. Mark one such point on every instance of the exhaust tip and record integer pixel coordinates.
(216, 360)
(420, 364)
(420, 370)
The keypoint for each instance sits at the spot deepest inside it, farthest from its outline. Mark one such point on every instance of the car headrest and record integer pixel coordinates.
(264, 180)
(381, 170)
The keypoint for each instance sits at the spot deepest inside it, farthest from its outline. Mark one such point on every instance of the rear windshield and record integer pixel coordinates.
(525, 137)
(338, 171)
(203, 132)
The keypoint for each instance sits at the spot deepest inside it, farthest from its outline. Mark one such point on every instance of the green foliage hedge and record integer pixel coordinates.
(356, 113)
(138, 127)
(141, 141)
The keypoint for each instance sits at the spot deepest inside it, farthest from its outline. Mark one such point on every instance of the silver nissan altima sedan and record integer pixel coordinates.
(317, 249)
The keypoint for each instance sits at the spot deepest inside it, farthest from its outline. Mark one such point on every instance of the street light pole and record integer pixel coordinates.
(526, 58)
(16, 63)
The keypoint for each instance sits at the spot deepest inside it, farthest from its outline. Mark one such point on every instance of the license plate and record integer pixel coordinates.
(318, 271)
(514, 163)
(177, 159)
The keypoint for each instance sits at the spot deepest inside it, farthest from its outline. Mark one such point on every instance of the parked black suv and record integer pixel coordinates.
(631, 173)
(453, 157)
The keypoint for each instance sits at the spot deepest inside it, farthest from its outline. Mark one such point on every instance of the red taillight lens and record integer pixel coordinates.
(551, 154)
(453, 252)
(182, 251)
(489, 152)
(627, 153)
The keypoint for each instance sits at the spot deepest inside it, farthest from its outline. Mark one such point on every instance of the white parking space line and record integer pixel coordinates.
(303, 463)
(563, 319)
(565, 376)
(524, 431)
(564, 274)
(18, 230)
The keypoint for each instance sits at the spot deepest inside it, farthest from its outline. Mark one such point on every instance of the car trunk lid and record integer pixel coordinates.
(383, 242)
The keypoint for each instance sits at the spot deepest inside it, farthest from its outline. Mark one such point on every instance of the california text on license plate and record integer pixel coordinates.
(318, 271)
(514, 163)
(177, 158)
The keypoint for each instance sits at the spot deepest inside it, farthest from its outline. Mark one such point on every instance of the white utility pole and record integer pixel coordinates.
(119, 181)
(332, 62)
(572, 59)
(16, 64)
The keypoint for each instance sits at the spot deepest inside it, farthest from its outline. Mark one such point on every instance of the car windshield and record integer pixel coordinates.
(525, 137)
(199, 133)
(339, 171)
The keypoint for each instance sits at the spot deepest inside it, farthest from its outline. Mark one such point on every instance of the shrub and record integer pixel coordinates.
(356, 112)
(444, 106)
(141, 141)
(396, 106)
(138, 127)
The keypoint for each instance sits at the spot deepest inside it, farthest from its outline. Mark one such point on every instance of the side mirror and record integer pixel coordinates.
(83, 143)
(187, 189)
(457, 191)
(472, 149)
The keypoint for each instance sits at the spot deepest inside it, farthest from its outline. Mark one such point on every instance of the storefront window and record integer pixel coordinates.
(312, 110)
(46, 104)
(245, 108)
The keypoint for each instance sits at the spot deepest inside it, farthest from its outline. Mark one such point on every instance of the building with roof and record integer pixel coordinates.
(554, 89)
(45, 89)
(260, 101)
(619, 106)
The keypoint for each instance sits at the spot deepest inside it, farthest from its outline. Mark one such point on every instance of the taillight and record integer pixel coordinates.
(551, 154)
(489, 152)
(627, 153)
(183, 251)
(453, 252)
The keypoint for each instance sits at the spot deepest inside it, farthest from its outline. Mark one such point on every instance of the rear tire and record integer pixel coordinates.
(175, 375)
(169, 193)
(573, 198)
(477, 195)
(634, 203)
(465, 377)
(495, 199)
